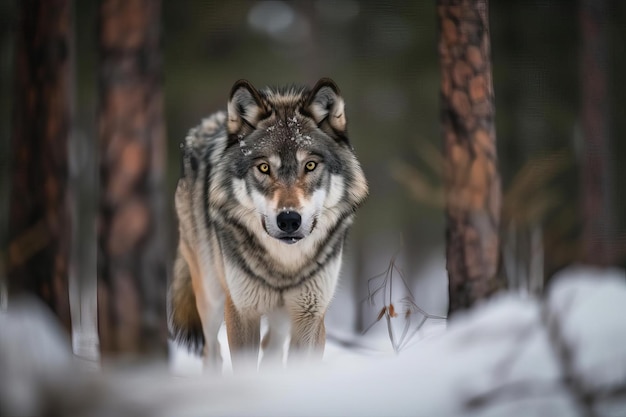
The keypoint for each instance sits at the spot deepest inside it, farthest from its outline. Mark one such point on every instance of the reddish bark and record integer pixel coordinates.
(39, 226)
(132, 266)
(598, 217)
(473, 195)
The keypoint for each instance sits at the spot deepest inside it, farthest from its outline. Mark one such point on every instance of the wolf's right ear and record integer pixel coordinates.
(245, 108)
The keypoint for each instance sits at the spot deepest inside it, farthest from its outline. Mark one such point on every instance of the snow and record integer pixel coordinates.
(583, 307)
(503, 358)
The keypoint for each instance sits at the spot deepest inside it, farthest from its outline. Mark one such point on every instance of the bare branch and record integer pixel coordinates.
(388, 310)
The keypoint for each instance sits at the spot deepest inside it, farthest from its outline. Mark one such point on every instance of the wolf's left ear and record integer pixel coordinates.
(327, 108)
(245, 108)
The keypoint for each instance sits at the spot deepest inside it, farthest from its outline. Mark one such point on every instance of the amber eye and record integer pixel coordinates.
(264, 168)
(310, 166)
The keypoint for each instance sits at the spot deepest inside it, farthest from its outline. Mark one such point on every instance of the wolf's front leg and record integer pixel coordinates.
(211, 322)
(273, 344)
(308, 338)
(243, 332)
(308, 333)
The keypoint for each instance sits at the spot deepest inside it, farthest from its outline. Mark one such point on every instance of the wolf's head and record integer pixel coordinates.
(295, 167)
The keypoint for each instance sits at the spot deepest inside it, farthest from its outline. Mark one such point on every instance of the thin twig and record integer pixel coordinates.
(388, 311)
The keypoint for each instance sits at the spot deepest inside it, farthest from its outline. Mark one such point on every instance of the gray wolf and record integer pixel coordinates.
(267, 194)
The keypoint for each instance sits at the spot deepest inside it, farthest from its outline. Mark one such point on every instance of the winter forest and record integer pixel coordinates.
(483, 276)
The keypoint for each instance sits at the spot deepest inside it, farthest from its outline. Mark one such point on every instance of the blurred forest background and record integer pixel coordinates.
(383, 56)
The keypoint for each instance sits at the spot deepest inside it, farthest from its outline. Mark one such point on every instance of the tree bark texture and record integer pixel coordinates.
(597, 211)
(39, 225)
(132, 259)
(473, 194)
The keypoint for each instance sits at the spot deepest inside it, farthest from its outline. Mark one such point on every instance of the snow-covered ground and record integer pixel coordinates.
(512, 356)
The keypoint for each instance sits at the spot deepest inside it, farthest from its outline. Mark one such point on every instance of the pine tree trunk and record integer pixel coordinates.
(473, 195)
(597, 211)
(39, 225)
(132, 261)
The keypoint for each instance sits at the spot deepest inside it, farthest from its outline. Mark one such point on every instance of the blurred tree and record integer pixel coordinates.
(132, 262)
(473, 195)
(39, 225)
(598, 217)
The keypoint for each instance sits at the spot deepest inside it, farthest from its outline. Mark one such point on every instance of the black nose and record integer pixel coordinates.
(288, 221)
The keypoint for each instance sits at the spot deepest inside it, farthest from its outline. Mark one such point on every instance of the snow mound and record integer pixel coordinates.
(564, 355)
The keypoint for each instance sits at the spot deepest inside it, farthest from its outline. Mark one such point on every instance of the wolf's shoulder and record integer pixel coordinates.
(210, 130)
(203, 145)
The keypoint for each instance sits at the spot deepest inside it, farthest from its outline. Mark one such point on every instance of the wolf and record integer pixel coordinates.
(267, 194)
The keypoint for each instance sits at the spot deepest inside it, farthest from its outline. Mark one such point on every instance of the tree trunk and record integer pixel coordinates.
(597, 212)
(132, 260)
(473, 195)
(39, 225)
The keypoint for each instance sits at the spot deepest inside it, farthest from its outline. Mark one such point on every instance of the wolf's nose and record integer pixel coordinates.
(288, 221)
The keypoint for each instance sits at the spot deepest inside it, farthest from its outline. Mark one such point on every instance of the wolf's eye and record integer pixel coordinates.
(264, 168)
(310, 166)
